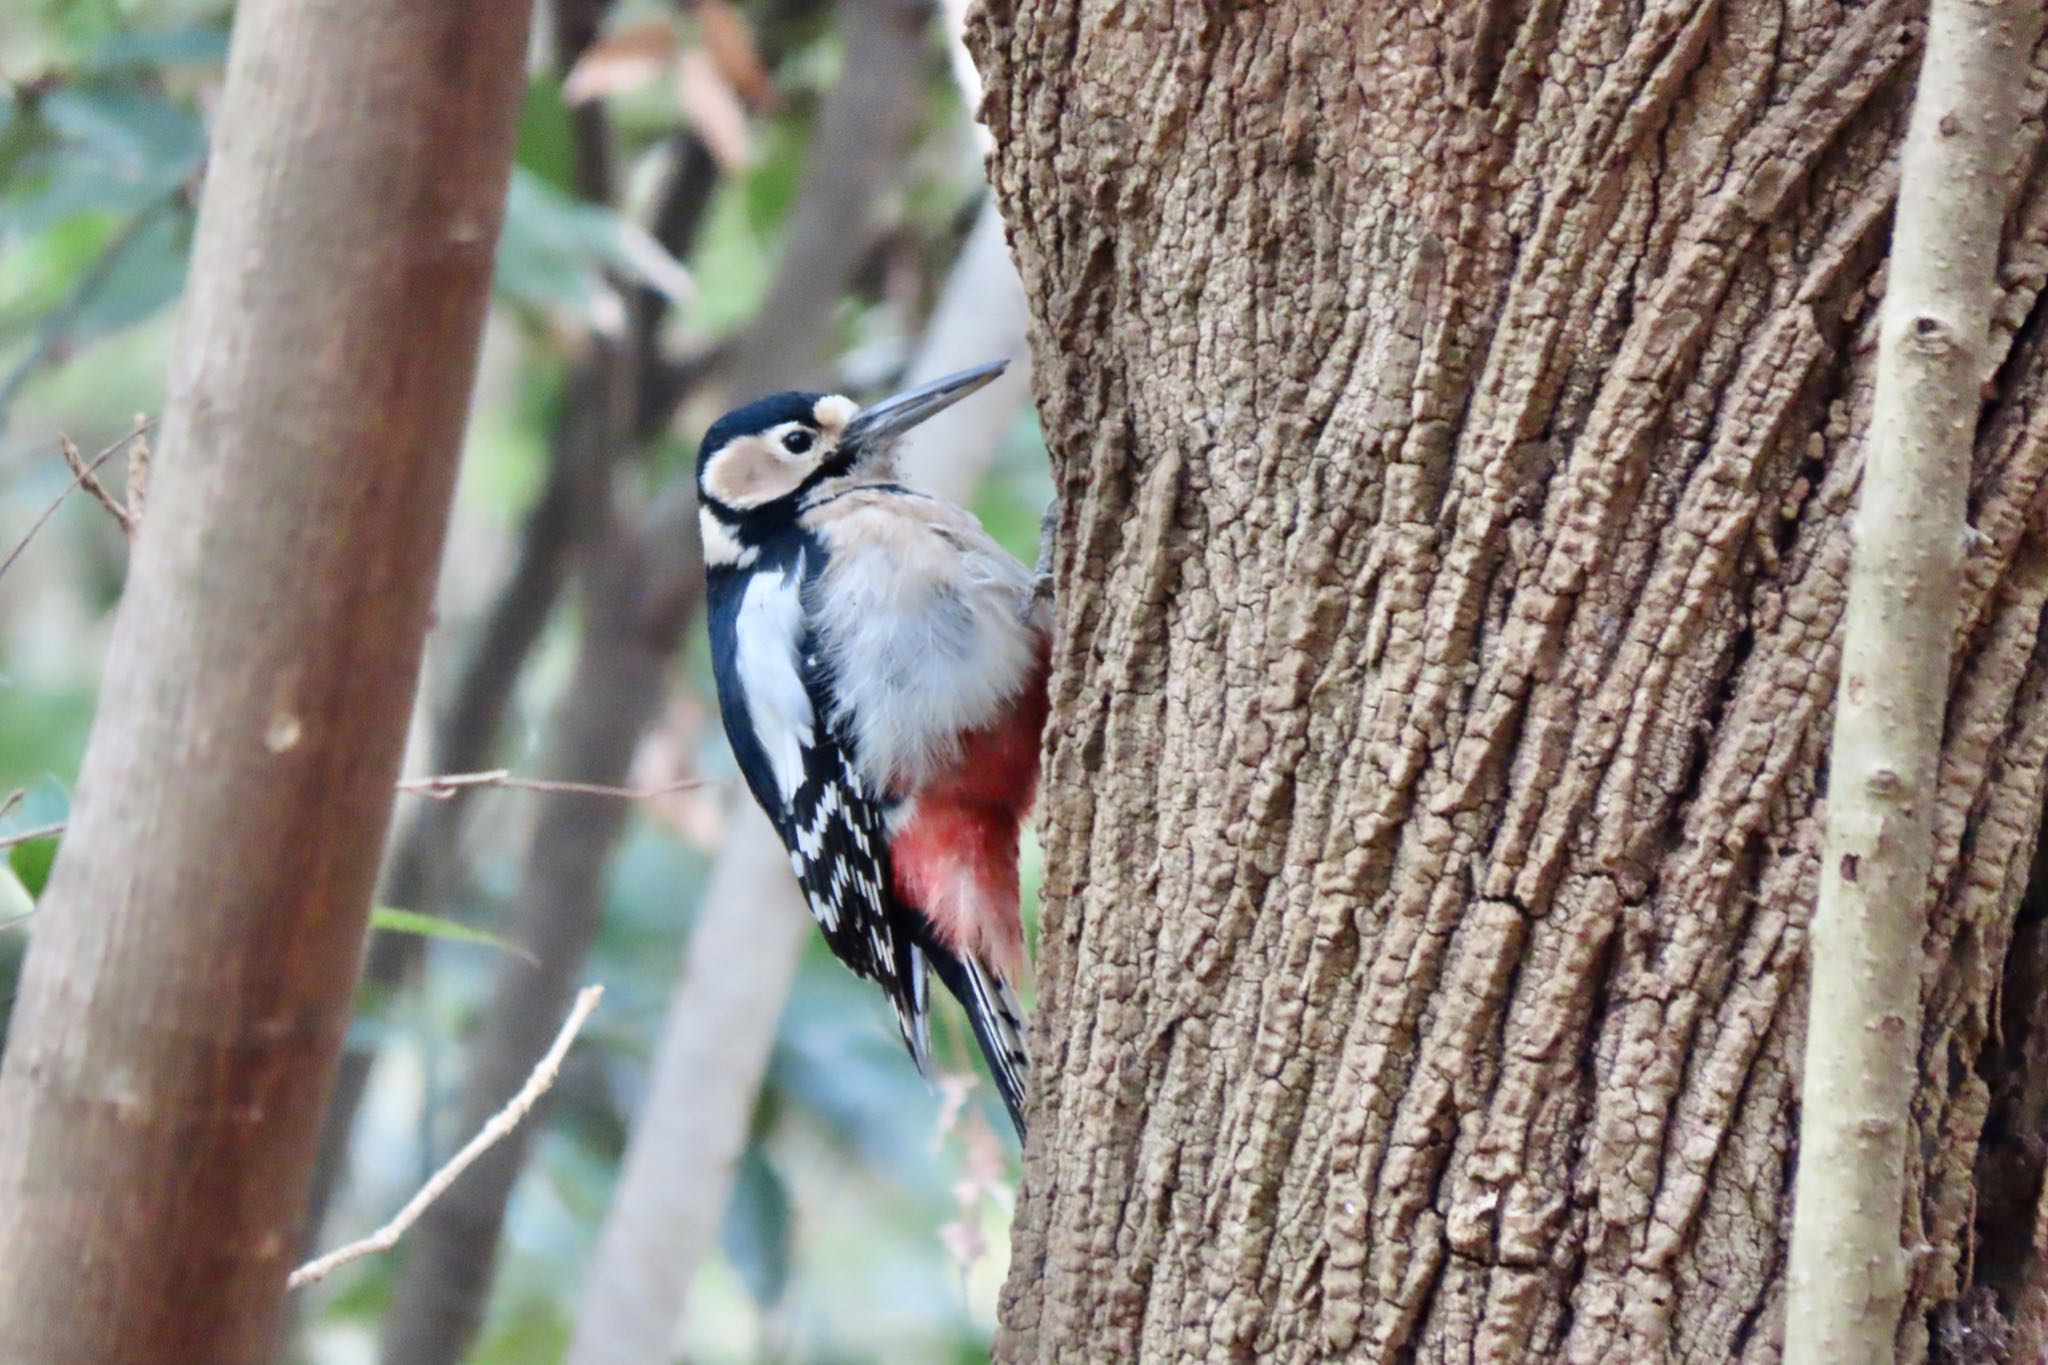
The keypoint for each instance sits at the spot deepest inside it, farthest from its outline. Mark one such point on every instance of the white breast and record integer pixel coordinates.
(922, 618)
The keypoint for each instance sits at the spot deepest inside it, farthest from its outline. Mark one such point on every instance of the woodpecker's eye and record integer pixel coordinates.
(797, 442)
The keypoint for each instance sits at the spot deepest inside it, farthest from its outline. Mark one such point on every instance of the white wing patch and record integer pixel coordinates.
(769, 630)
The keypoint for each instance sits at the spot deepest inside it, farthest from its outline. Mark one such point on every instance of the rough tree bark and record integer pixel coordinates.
(642, 590)
(187, 989)
(1457, 411)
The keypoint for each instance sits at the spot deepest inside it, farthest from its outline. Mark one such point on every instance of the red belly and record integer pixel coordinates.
(955, 856)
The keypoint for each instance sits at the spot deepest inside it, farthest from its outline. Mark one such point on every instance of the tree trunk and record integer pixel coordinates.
(188, 985)
(1457, 414)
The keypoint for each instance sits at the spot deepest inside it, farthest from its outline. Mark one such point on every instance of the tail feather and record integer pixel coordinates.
(910, 1002)
(998, 1022)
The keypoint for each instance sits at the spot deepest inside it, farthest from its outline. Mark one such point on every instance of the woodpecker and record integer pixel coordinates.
(881, 667)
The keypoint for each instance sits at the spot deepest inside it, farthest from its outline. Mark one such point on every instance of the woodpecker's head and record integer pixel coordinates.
(758, 462)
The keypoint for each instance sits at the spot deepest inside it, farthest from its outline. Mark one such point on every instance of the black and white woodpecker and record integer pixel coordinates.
(881, 667)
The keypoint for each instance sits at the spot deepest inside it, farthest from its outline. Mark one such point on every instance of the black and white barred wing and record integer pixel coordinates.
(838, 848)
(796, 765)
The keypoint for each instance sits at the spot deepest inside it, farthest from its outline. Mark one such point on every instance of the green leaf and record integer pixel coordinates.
(17, 906)
(85, 151)
(756, 1235)
(31, 862)
(137, 136)
(554, 249)
(393, 920)
(546, 146)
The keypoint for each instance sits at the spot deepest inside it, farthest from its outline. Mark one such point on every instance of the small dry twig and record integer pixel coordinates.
(493, 1132)
(447, 785)
(30, 835)
(77, 479)
(138, 473)
(84, 477)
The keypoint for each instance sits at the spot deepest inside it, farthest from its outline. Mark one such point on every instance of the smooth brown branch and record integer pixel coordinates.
(447, 786)
(501, 1123)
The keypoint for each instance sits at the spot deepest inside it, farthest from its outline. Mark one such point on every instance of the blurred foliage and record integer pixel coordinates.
(832, 1245)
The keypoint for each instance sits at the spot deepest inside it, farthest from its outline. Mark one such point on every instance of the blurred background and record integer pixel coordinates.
(712, 200)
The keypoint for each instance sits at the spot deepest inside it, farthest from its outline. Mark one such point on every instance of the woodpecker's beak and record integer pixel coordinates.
(879, 422)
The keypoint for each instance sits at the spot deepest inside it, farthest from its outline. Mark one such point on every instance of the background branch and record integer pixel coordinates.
(494, 1130)
(57, 324)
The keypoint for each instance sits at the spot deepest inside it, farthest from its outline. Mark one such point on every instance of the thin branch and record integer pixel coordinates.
(27, 836)
(77, 480)
(447, 786)
(501, 1123)
(90, 482)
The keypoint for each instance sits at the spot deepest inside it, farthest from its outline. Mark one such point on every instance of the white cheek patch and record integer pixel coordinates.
(770, 631)
(754, 471)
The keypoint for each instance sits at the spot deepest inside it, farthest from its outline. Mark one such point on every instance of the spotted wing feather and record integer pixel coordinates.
(838, 848)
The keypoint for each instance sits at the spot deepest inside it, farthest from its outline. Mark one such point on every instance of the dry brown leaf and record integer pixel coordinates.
(629, 56)
(729, 38)
(714, 109)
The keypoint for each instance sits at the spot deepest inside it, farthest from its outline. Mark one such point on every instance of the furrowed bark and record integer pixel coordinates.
(639, 606)
(741, 960)
(1847, 1273)
(1457, 414)
(187, 989)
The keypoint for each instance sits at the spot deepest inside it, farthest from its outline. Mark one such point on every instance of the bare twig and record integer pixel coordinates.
(77, 480)
(500, 1123)
(26, 836)
(138, 473)
(447, 786)
(90, 482)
